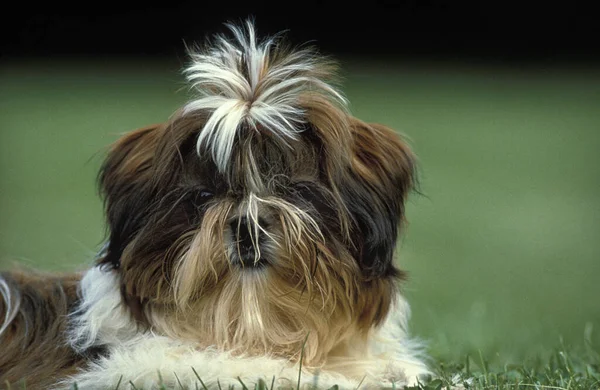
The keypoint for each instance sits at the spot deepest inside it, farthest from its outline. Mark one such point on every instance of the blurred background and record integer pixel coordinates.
(500, 101)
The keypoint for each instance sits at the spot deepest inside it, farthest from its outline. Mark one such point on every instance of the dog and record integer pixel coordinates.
(251, 239)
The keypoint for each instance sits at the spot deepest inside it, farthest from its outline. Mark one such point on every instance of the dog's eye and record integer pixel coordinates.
(202, 196)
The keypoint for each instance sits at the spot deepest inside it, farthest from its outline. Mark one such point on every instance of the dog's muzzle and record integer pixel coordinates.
(248, 242)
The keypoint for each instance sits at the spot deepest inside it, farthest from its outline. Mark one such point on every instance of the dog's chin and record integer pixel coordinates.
(250, 259)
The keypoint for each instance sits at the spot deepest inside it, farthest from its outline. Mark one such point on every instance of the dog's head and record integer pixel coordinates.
(262, 215)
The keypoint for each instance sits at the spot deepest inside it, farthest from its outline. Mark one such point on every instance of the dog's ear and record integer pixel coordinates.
(125, 184)
(382, 174)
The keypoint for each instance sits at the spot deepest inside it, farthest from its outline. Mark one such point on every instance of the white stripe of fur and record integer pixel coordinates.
(392, 342)
(150, 356)
(238, 84)
(101, 318)
(12, 303)
(148, 360)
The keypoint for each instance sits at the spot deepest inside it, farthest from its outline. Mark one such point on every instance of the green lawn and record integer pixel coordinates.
(503, 247)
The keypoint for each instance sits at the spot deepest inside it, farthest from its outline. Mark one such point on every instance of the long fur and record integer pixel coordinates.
(33, 350)
(145, 358)
(253, 230)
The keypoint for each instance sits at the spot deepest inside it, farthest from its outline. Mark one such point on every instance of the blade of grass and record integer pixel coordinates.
(467, 365)
(261, 385)
(200, 379)
(361, 381)
(301, 360)
(243, 384)
(484, 367)
(119, 382)
(160, 380)
(178, 381)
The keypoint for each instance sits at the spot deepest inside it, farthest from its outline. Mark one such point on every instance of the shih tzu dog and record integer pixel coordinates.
(251, 238)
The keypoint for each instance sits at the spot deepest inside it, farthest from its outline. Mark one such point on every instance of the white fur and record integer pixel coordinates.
(392, 342)
(239, 83)
(101, 318)
(147, 359)
(149, 356)
(12, 303)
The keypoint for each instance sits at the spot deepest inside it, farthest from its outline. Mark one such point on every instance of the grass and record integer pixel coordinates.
(558, 372)
(502, 250)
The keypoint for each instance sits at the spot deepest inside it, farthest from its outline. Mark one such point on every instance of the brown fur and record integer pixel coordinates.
(34, 350)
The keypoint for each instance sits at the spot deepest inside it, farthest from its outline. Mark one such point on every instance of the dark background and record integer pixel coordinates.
(497, 31)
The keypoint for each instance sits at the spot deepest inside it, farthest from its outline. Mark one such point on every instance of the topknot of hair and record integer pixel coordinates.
(259, 84)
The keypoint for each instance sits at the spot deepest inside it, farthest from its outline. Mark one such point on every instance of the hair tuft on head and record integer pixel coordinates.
(260, 84)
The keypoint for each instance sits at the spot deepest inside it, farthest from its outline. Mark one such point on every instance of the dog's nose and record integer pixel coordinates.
(247, 241)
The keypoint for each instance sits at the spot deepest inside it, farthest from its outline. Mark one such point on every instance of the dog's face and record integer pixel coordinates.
(262, 216)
